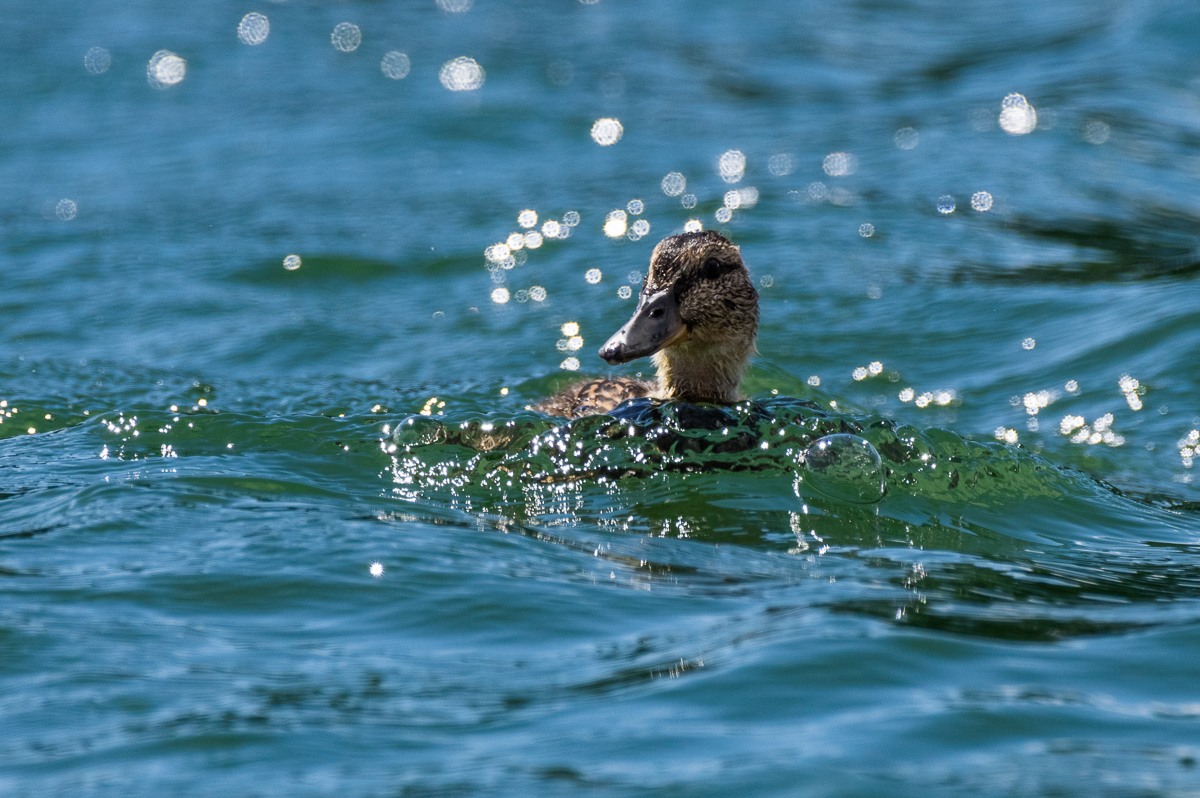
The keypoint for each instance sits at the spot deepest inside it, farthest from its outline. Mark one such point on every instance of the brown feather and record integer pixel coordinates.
(594, 396)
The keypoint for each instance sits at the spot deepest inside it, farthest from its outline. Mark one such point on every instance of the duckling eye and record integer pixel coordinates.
(712, 268)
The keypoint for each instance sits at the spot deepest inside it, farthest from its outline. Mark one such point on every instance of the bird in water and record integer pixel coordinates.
(697, 316)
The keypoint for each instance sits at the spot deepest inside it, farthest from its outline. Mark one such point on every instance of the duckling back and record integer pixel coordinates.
(594, 396)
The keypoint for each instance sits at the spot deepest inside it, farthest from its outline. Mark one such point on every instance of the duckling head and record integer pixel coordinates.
(697, 316)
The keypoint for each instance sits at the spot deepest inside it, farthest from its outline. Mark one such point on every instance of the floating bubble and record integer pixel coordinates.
(395, 64)
(97, 60)
(731, 166)
(593, 276)
(1017, 116)
(571, 218)
(624, 292)
(500, 296)
(165, 69)
(537, 293)
(843, 467)
(723, 215)
(981, 201)
(65, 210)
(674, 184)
(635, 206)
(462, 74)
(527, 218)
(866, 229)
(346, 37)
(838, 164)
(1096, 132)
(253, 29)
(291, 263)
(607, 131)
(455, 6)
(688, 201)
(907, 138)
(641, 227)
(945, 204)
(781, 165)
(419, 430)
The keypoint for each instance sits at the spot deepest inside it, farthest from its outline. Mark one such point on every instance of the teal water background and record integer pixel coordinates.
(197, 462)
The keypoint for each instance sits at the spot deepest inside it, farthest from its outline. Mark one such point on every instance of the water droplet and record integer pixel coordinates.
(253, 29)
(843, 467)
(395, 65)
(97, 60)
(462, 74)
(419, 431)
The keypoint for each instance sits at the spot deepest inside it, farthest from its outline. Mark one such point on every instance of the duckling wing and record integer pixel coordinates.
(594, 396)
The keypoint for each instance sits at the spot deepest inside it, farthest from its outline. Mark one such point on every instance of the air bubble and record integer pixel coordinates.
(843, 467)
(419, 431)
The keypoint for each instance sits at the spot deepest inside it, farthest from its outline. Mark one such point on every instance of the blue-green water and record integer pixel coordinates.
(224, 572)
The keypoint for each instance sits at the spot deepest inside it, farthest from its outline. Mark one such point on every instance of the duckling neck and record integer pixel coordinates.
(690, 373)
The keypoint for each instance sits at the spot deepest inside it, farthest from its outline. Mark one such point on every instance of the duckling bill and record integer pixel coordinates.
(697, 318)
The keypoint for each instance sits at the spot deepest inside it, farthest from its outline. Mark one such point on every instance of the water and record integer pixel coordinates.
(225, 572)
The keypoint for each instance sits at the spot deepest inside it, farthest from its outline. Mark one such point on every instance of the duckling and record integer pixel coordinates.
(697, 317)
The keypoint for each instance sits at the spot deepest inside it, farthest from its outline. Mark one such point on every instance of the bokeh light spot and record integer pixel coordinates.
(254, 28)
(65, 210)
(500, 296)
(635, 206)
(97, 60)
(607, 131)
(593, 276)
(165, 69)
(462, 74)
(731, 166)
(346, 37)
(1017, 116)
(692, 226)
(866, 230)
(945, 204)
(291, 262)
(527, 218)
(395, 64)
(907, 138)
(981, 201)
(624, 292)
(455, 6)
(838, 164)
(781, 165)
(1096, 132)
(674, 184)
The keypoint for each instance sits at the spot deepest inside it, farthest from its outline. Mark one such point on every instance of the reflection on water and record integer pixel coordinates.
(294, 528)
